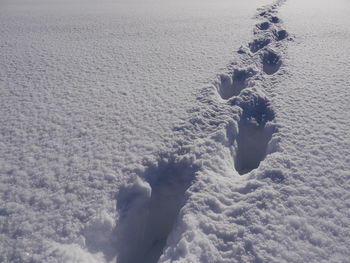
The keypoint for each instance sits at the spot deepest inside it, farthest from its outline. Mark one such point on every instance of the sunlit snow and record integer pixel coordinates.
(153, 131)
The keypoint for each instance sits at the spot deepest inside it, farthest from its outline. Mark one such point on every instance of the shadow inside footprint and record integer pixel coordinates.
(281, 34)
(252, 144)
(271, 61)
(148, 213)
(263, 25)
(232, 86)
(258, 44)
(274, 19)
(255, 131)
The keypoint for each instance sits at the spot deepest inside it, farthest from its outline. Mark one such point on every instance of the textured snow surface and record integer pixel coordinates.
(119, 144)
(88, 90)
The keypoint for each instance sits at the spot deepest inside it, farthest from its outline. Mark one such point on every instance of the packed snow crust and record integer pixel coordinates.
(132, 156)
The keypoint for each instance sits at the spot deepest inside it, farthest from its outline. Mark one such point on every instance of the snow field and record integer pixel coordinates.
(107, 155)
(88, 90)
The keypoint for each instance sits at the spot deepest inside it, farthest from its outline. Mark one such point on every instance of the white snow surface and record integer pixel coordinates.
(188, 131)
(88, 90)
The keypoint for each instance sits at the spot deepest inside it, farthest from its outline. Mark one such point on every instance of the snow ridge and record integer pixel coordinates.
(166, 210)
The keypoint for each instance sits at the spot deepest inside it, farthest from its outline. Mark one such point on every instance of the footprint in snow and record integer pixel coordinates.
(271, 61)
(230, 86)
(255, 130)
(148, 210)
(258, 44)
(263, 26)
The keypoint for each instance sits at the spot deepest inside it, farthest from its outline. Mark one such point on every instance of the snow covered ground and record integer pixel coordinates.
(161, 131)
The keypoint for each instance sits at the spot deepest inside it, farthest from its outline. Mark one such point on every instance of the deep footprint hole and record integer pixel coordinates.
(271, 61)
(255, 131)
(281, 34)
(147, 219)
(232, 86)
(258, 44)
(274, 19)
(263, 25)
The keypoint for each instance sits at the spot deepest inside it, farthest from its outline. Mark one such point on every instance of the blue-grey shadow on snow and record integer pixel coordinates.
(271, 61)
(255, 130)
(280, 34)
(232, 85)
(258, 44)
(149, 210)
(263, 25)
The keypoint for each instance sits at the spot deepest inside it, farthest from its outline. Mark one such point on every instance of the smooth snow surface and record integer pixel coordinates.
(174, 131)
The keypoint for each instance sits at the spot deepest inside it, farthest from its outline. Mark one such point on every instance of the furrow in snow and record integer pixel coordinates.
(230, 134)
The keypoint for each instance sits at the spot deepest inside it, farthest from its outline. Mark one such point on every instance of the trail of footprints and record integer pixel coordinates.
(240, 87)
(148, 214)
